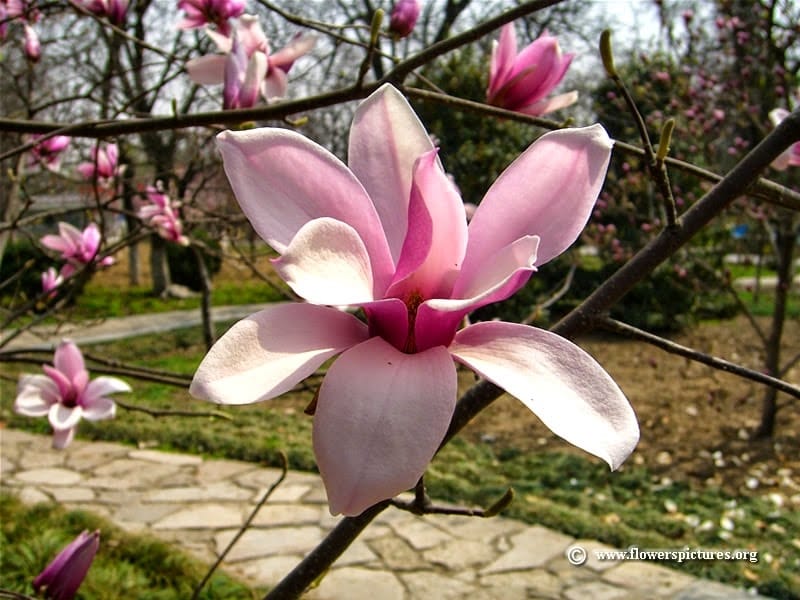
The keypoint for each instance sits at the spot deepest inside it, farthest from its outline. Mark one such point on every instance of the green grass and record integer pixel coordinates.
(568, 492)
(100, 300)
(126, 565)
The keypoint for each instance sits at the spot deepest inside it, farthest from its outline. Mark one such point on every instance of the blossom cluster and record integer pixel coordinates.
(161, 213)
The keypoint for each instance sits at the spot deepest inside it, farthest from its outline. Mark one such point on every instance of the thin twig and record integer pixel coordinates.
(762, 188)
(428, 508)
(554, 297)
(701, 357)
(243, 528)
(155, 412)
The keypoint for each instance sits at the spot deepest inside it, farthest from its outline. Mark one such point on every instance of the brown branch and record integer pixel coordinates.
(701, 357)
(156, 412)
(428, 508)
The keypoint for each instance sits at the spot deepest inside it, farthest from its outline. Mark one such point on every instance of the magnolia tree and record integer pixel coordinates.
(383, 261)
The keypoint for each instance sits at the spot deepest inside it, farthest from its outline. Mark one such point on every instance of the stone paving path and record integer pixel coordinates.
(106, 330)
(199, 504)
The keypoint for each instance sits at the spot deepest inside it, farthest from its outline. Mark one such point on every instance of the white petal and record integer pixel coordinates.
(327, 263)
(271, 351)
(35, 395)
(63, 417)
(564, 386)
(380, 418)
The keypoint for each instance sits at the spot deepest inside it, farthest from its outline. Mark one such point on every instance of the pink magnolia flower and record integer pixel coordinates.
(32, 46)
(210, 12)
(243, 76)
(74, 245)
(51, 280)
(65, 395)
(161, 214)
(61, 579)
(114, 10)
(235, 71)
(103, 166)
(388, 235)
(790, 156)
(48, 151)
(77, 247)
(521, 82)
(404, 17)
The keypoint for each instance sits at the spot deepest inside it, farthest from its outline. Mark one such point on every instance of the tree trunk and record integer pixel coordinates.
(133, 264)
(785, 241)
(159, 267)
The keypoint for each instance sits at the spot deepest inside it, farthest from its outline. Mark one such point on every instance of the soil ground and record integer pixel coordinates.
(695, 421)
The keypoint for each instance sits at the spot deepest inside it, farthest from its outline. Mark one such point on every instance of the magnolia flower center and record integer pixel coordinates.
(70, 398)
(412, 302)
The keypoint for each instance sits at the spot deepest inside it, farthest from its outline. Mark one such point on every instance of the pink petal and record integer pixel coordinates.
(90, 241)
(564, 386)
(437, 234)
(207, 70)
(256, 71)
(503, 54)
(35, 395)
(488, 280)
(61, 381)
(69, 360)
(252, 35)
(101, 387)
(388, 319)
(282, 180)
(271, 351)
(327, 263)
(224, 42)
(507, 271)
(783, 161)
(100, 408)
(297, 47)
(64, 417)
(548, 105)
(86, 170)
(380, 418)
(776, 115)
(71, 233)
(57, 243)
(63, 438)
(275, 84)
(549, 191)
(386, 138)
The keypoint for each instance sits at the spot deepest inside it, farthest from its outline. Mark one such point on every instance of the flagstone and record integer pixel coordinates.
(215, 470)
(530, 549)
(222, 491)
(273, 515)
(37, 460)
(356, 583)
(202, 516)
(49, 476)
(70, 494)
(256, 543)
(166, 458)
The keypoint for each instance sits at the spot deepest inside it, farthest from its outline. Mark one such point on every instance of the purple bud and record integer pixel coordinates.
(404, 17)
(61, 579)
